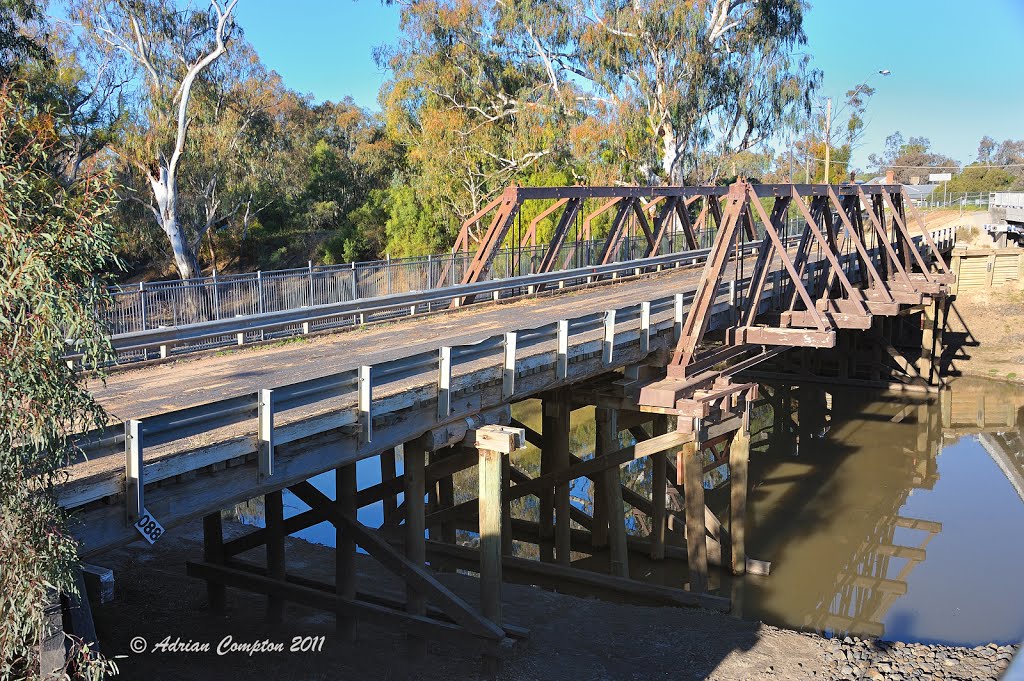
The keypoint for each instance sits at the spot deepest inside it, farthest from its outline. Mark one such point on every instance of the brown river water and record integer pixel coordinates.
(882, 516)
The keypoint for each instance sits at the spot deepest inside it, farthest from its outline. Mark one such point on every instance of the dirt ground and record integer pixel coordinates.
(570, 637)
(990, 326)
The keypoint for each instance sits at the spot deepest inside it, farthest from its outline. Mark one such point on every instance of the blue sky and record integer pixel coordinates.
(956, 67)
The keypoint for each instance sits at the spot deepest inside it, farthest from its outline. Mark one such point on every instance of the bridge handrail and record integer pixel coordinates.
(270, 321)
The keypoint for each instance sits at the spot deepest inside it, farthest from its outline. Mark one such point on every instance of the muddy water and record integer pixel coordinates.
(881, 517)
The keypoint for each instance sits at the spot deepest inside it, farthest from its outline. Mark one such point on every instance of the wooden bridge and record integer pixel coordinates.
(665, 347)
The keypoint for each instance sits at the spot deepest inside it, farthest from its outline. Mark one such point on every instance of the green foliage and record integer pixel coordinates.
(53, 238)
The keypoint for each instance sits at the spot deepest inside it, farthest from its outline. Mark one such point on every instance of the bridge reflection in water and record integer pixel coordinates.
(885, 518)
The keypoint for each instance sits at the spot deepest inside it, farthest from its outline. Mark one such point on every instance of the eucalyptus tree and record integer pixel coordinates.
(693, 81)
(168, 48)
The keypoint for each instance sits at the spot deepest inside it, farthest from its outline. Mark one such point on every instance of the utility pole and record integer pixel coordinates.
(828, 140)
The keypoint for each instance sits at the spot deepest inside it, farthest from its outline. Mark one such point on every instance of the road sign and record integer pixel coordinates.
(940, 177)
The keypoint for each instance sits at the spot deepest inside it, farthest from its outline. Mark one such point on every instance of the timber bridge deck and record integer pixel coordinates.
(664, 346)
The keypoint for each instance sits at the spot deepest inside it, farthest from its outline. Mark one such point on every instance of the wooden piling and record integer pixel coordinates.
(555, 433)
(494, 444)
(415, 539)
(213, 552)
(388, 473)
(273, 514)
(693, 495)
(739, 457)
(659, 491)
(607, 423)
(345, 547)
(926, 362)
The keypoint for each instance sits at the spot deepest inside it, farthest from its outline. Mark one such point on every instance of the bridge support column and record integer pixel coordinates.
(607, 426)
(273, 513)
(494, 445)
(415, 539)
(688, 463)
(213, 552)
(926, 362)
(345, 547)
(554, 458)
(659, 490)
(739, 458)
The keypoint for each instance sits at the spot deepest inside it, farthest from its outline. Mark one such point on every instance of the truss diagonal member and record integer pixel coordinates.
(827, 248)
(641, 218)
(859, 245)
(683, 211)
(617, 232)
(884, 240)
(561, 232)
(906, 235)
(493, 239)
(697, 319)
(702, 217)
(787, 263)
(462, 241)
(762, 268)
(661, 223)
(530, 237)
(928, 238)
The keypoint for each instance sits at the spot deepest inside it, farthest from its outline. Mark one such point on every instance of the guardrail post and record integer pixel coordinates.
(355, 283)
(562, 349)
(241, 337)
(609, 337)
(508, 374)
(142, 303)
(645, 327)
(444, 382)
(266, 434)
(677, 325)
(366, 402)
(311, 303)
(134, 497)
(259, 290)
(430, 272)
(216, 297)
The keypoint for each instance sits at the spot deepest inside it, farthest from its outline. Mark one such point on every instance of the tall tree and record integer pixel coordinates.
(911, 159)
(169, 48)
(695, 80)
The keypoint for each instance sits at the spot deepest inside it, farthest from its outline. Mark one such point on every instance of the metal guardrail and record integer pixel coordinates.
(358, 385)
(151, 305)
(1006, 200)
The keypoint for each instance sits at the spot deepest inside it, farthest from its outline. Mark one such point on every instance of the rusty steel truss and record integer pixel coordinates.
(654, 212)
(855, 259)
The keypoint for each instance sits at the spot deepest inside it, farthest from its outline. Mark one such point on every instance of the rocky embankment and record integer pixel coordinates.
(852, 658)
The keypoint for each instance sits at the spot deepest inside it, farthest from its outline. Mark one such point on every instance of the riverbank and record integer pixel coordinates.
(571, 637)
(990, 327)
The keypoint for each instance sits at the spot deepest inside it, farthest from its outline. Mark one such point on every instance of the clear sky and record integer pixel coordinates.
(957, 67)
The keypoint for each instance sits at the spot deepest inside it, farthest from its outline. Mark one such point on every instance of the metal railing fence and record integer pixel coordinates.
(152, 305)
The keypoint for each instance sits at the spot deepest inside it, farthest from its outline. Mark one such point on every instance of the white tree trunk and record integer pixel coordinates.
(670, 156)
(165, 194)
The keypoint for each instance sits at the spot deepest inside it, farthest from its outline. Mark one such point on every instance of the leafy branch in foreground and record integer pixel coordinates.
(54, 238)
